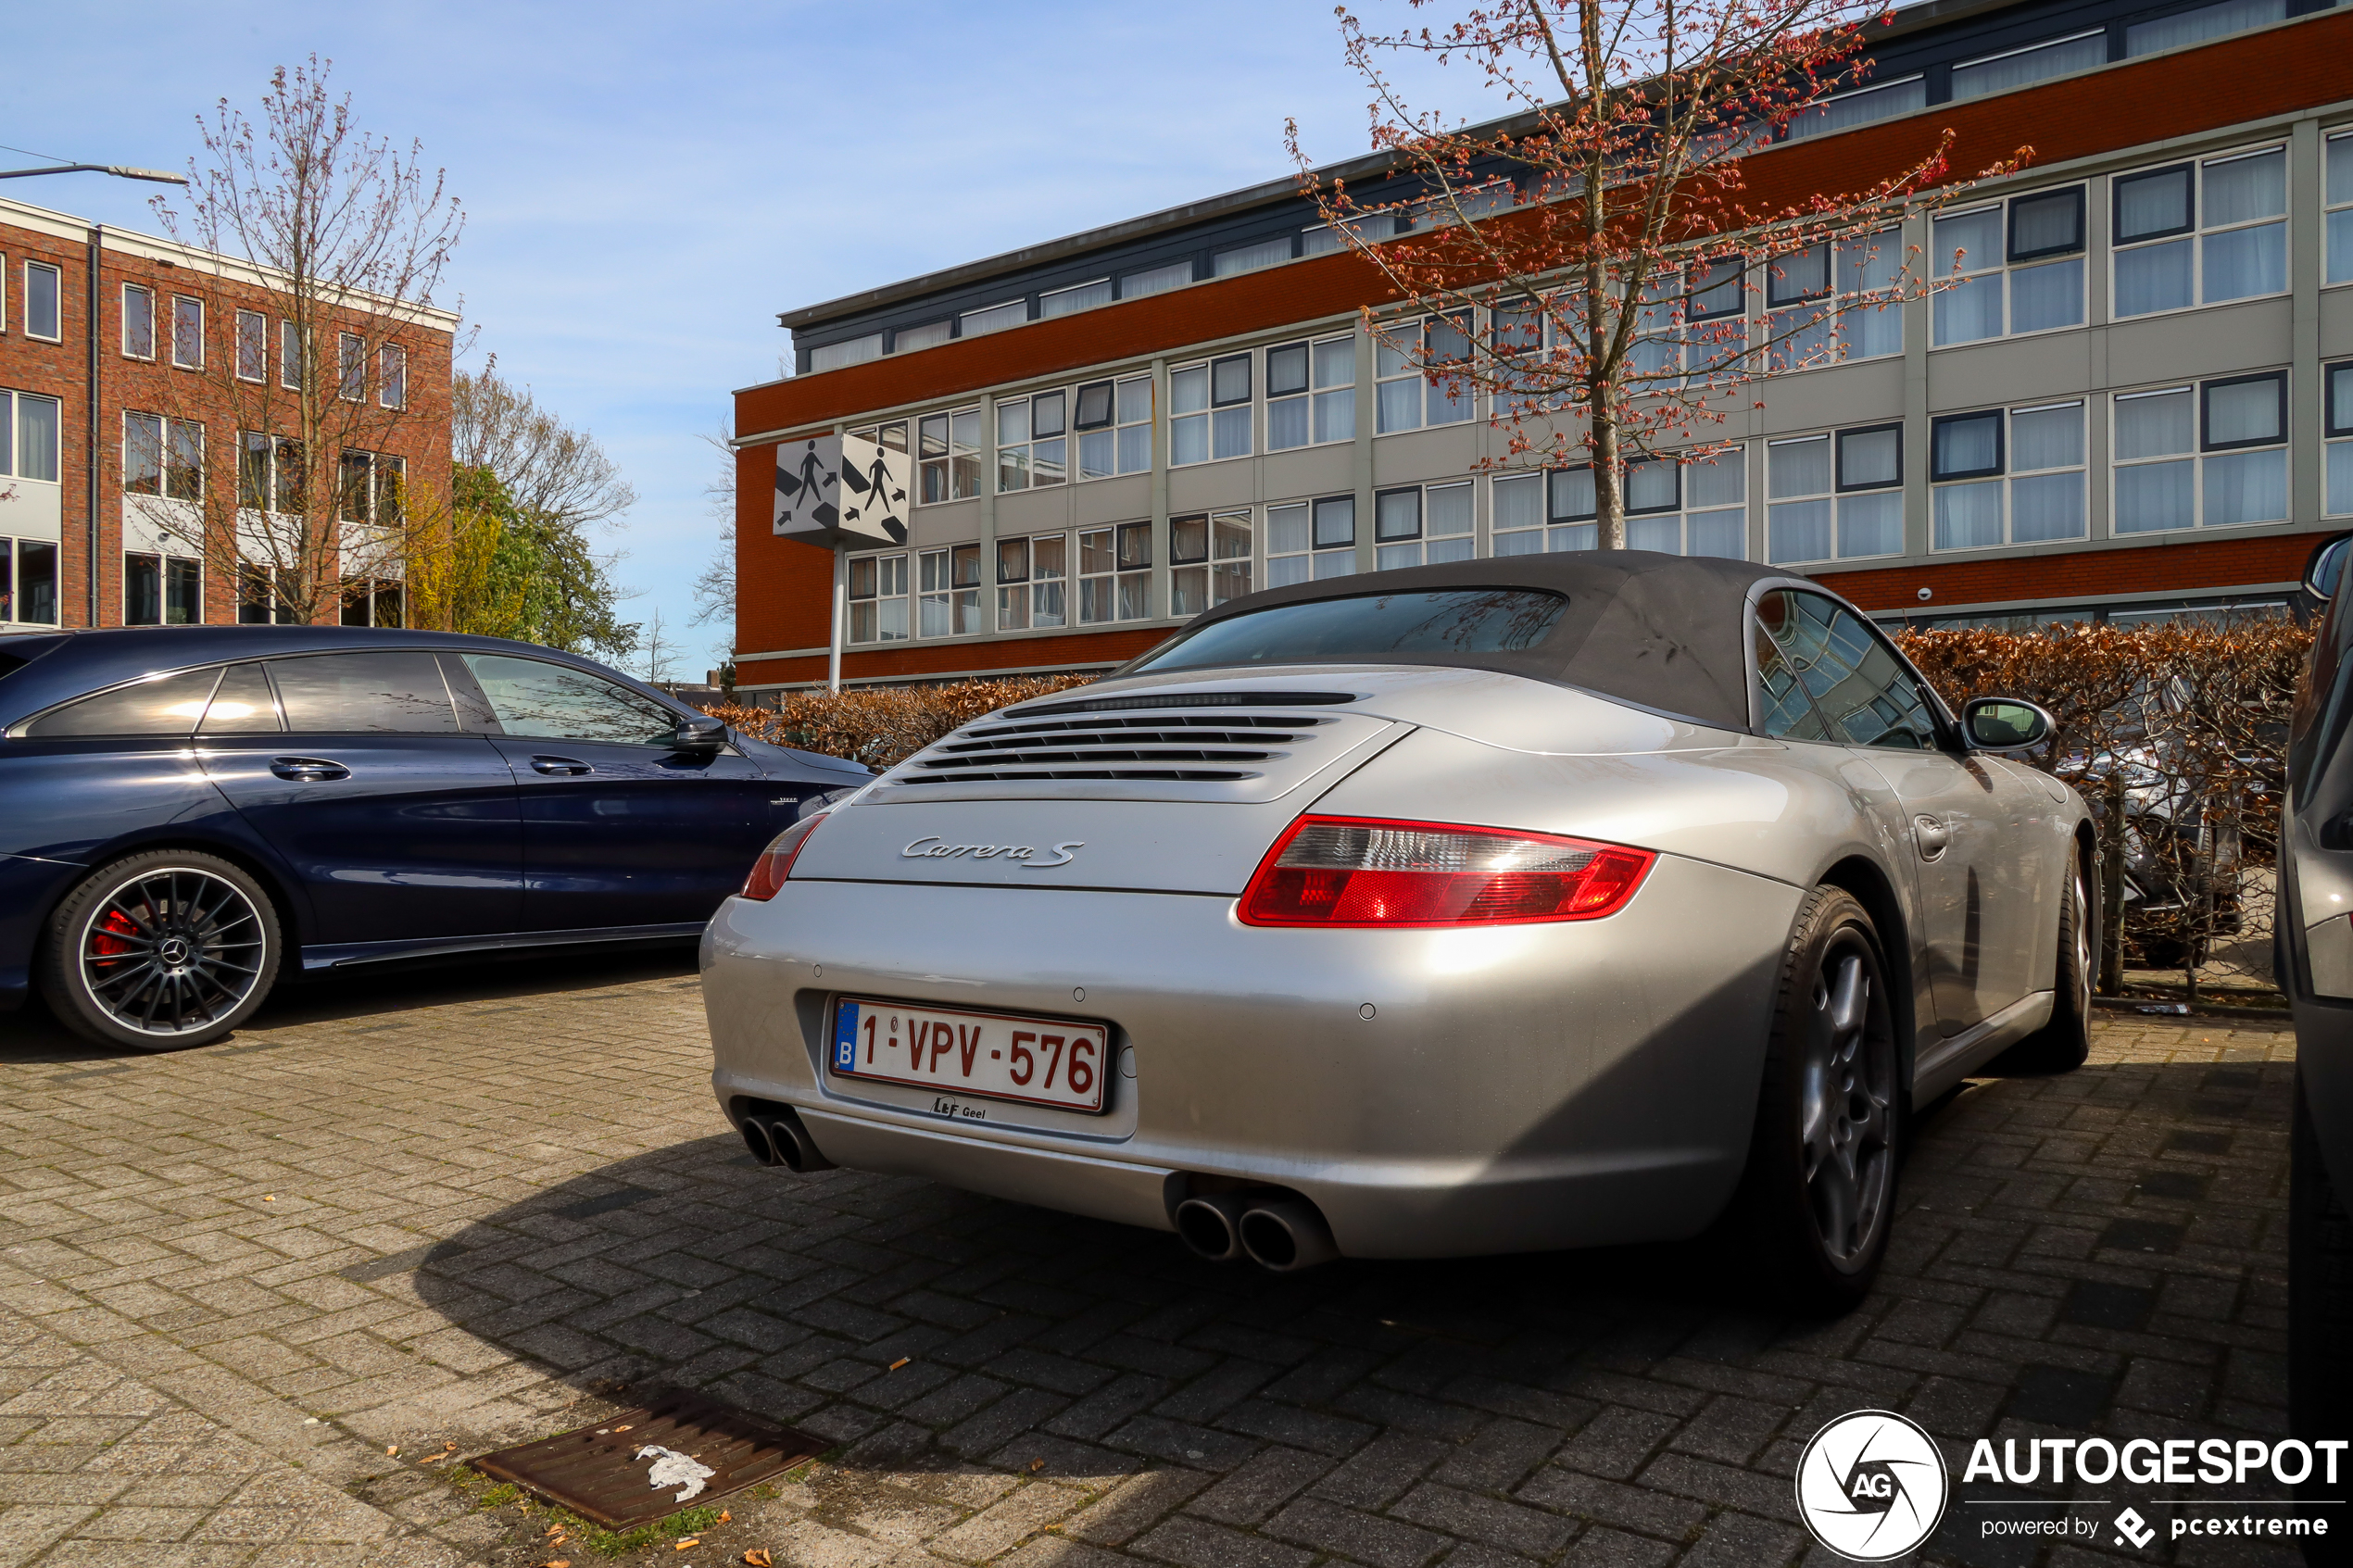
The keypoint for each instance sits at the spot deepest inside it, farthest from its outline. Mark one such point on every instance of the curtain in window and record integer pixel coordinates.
(2048, 295)
(2151, 496)
(1252, 258)
(2245, 261)
(2247, 410)
(1861, 108)
(2153, 426)
(2046, 505)
(1066, 302)
(1872, 525)
(1798, 530)
(2153, 278)
(1969, 310)
(2340, 501)
(2046, 438)
(2208, 21)
(1519, 503)
(1662, 533)
(36, 437)
(2246, 487)
(2240, 190)
(1968, 515)
(1722, 533)
(1797, 468)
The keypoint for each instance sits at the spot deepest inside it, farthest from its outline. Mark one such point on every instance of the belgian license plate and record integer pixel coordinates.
(991, 1055)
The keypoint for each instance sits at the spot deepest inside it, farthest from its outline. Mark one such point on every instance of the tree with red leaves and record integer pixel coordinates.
(1604, 231)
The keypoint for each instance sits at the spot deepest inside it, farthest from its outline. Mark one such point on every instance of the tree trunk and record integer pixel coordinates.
(1609, 489)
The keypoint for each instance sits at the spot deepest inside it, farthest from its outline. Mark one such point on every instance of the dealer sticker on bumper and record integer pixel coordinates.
(992, 1055)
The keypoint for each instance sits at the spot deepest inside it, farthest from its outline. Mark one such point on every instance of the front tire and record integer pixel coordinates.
(160, 951)
(1818, 1195)
(2063, 1043)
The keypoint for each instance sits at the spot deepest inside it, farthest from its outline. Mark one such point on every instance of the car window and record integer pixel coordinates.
(242, 706)
(161, 705)
(533, 698)
(1866, 694)
(1426, 623)
(387, 692)
(1784, 709)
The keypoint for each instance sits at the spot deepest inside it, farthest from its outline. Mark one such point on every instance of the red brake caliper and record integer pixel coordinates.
(108, 940)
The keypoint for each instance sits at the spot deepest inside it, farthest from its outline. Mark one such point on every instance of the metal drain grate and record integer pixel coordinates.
(594, 1471)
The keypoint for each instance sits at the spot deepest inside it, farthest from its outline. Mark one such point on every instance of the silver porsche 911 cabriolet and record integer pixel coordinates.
(1495, 906)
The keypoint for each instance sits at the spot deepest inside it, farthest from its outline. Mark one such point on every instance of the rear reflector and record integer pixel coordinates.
(774, 864)
(1357, 872)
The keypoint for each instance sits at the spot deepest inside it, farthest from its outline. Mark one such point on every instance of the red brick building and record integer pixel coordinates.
(114, 424)
(2138, 401)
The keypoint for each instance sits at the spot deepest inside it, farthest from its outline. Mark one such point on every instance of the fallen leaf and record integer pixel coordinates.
(555, 1529)
(690, 1540)
(270, 1198)
(560, 1562)
(901, 1363)
(726, 1517)
(392, 1451)
(1037, 1464)
(620, 1429)
(758, 1557)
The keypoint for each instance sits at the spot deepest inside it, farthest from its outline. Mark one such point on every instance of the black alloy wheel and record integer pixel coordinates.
(160, 951)
(1818, 1198)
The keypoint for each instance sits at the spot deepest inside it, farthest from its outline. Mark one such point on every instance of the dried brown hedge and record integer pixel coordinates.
(882, 725)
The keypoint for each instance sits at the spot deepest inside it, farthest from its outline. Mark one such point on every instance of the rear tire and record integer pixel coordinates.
(2061, 1045)
(160, 951)
(2320, 1311)
(1818, 1198)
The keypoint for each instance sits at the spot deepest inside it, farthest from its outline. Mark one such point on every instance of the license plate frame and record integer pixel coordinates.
(960, 1039)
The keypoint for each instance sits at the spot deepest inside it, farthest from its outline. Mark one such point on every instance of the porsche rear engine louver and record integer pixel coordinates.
(1090, 743)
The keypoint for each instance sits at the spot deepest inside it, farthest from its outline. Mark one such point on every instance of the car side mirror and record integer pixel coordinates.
(2003, 723)
(700, 733)
(2325, 567)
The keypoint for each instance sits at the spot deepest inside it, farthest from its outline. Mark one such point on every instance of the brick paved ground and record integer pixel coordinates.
(460, 1208)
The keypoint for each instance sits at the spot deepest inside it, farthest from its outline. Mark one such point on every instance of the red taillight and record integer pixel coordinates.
(1355, 870)
(774, 864)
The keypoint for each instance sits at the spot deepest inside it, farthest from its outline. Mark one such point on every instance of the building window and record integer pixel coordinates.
(1711, 298)
(41, 294)
(2036, 62)
(291, 345)
(142, 454)
(188, 332)
(2018, 267)
(351, 367)
(253, 346)
(138, 321)
(1250, 257)
(1116, 573)
(1322, 239)
(931, 334)
(1156, 280)
(1518, 525)
(35, 424)
(258, 601)
(1072, 300)
(1311, 393)
(1032, 441)
(1806, 326)
(370, 488)
(1409, 398)
(1693, 507)
(1208, 411)
(2202, 232)
(374, 603)
(271, 475)
(856, 351)
(2208, 456)
(2012, 477)
(948, 453)
(1425, 524)
(1209, 561)
(1880, 101)
(1033, 578)
(990, 318)
(878, 598)
(2336, 383)
(1113, 420)
(2184, 28)
(29, 581)
(1835, 496)
(161, 590)
(2339, 198)
(1309, 540)
(949, 592)
(1571, 509)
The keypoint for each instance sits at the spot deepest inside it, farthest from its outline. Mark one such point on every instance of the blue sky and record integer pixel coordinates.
(632, 172)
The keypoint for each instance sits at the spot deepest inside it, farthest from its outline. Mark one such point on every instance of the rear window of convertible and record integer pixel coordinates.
(1430, 623)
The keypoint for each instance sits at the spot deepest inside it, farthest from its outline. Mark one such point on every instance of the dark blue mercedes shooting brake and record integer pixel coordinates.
(186, 812)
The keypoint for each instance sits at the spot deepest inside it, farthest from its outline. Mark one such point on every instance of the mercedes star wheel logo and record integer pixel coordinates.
(1871, 1486)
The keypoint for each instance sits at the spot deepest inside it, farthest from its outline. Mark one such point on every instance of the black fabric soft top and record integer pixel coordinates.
(1665, 632)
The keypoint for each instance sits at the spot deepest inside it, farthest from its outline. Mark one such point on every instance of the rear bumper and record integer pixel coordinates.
(1514, 1088)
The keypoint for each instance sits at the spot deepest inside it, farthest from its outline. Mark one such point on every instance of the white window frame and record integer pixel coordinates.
(169, 564)
(130, 351)
(1321, 543)
(1120, 442)
(1828, 332)
(195, 340)
(2336, 433)
(12, 426)
(962, 455)
(1029, 460)
(1424, 524)
(12, 589)
(1669, 529)
(293, 351)
(56, 297)
(948, 592)
(2001, 272)
(2201, 453)
(1392, 368)
(1003, 316)
(1821, 112)
(1327, 402)
(1033, 581)
(1837, 495)
(2060, 42)
(2336, 200)
(1066, 300)
(2005, 474)
(392, 376)
(2199, 231)
(1210, 560)
(253, 332)
(888, 607)
(1528, 492)
(351, 367)
(1114, 574)
(847, 352)
(270, 488)
(1225, 424)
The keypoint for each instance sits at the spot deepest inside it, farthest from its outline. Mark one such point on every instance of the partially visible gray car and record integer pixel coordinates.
(1488, 907)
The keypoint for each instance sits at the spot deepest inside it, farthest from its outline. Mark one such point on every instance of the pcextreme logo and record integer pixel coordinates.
(1871, 1486)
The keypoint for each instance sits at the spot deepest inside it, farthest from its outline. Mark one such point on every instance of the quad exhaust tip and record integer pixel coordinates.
(1281, 1233)
(775, 1135)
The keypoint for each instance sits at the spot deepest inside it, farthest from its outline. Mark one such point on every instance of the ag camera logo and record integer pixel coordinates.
(1871, 1486)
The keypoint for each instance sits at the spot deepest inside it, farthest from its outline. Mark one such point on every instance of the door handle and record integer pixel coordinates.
(1932, 836)
(308, 769)
(559, 767)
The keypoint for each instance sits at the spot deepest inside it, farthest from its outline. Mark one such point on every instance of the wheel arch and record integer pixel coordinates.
(290, 913)
(1862, 878)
